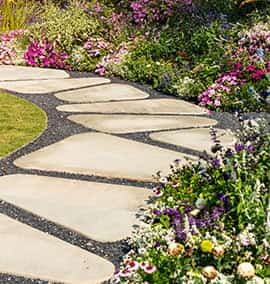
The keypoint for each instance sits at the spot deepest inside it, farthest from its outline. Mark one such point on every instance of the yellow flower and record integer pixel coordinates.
(207, 246)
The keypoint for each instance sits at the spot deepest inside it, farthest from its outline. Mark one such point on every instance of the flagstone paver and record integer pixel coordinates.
(198, 139)
(136, 123)
(13, 73)
(28, 252)
(101, 211)
(102, 155)
(150, 106)
(104, 212)
(50, 86)
(110, 92)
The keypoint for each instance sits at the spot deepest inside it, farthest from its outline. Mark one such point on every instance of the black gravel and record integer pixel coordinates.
(59, 127)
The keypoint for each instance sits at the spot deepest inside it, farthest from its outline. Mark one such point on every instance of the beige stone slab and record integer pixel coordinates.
(110, 92)
(13, 73)
(136, 123)
(102, 155)
(50, 86)
(197, 139)
(100, 211)
(151, 106)
(30, 253)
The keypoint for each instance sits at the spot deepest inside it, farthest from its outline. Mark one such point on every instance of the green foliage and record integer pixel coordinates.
(16, 14)
(69, 27)
(212, 215)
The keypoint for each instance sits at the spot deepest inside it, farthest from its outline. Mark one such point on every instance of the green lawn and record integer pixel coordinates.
(20, 122)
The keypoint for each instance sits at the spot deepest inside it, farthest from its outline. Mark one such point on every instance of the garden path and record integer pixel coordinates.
(69, 198)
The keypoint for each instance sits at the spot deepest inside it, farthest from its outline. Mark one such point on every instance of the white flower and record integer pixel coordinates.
(209, 272)
(255, 280)
(246, 270)
(200, 203)
(157, 191)
(163, 180)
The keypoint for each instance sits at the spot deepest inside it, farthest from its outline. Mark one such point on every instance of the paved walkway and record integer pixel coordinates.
(71, 197)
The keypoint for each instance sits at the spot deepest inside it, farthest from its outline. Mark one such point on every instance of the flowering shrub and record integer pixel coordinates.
(155, 11)
(45, 54)
(208, 222)
(8, 49)
(246, 86)
(192, 49)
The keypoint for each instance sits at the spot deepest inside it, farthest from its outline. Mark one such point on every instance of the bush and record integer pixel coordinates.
(208, 222)
(16, 14)
(70, 27)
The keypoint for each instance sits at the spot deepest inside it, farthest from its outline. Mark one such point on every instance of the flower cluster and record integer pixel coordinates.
(96, 46)
(8, 51)
(207, 222)
(155, 11)
(46, 54)
(113, 58)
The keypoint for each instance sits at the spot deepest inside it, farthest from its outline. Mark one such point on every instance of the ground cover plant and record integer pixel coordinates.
(17, 126)
(215, 53)
(208, 222)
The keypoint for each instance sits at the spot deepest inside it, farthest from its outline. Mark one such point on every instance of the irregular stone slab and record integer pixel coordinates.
(197, 139)
(136, 123)
(13, 73)
(111, 92)
(102, 155)
(50, 86)
(100, 211)
(155, 106)
(30, 253)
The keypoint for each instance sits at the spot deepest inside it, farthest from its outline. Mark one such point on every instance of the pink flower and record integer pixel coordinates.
(251, 68)
(132, 265)
(258, 74)
(147, 267)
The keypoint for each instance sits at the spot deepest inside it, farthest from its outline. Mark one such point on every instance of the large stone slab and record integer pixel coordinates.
(136, 123)
(13, 73)
(110, 92)
(50, 86)
(151, 106)
(102, 155)
(30, 253)
(100, 211)
(197, 139)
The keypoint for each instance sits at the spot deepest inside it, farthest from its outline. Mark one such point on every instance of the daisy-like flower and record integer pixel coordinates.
(132, 265)
(147, 267)
(246, 270)
(157, 191)
(163, 180)
(126, 272)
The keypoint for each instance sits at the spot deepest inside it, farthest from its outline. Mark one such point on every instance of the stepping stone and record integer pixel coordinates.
(30, 253)
(103, 212)
(112, 92)
(13, 73)
(137, 123)
(50, 86)
(102, 155)
(151, 106)
(197, 139)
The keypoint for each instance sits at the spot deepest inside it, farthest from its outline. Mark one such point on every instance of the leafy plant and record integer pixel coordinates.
(16, 14)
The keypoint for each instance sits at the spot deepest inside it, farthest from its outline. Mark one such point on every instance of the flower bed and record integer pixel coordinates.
(211, 52)
(208, 222)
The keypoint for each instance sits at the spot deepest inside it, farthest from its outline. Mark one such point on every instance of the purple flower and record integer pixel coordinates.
(215, 162)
